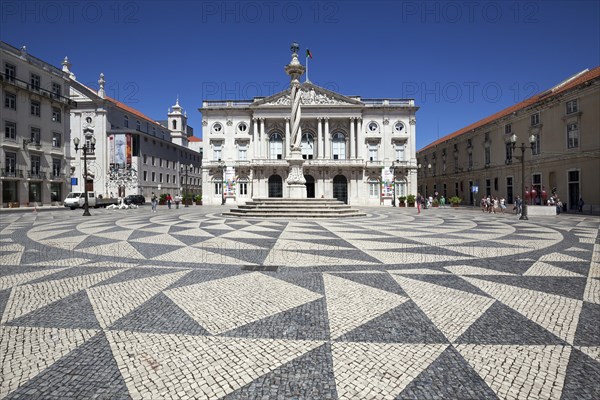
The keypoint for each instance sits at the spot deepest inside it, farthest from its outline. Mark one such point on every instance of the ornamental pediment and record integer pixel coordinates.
(310, 95)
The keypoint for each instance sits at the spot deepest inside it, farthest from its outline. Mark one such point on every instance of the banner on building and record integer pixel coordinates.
(128, 149)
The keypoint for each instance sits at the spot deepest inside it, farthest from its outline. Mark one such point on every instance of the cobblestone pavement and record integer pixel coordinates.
(186, 304)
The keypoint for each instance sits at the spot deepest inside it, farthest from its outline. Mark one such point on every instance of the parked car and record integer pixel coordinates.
(137, 199)
(77, 199)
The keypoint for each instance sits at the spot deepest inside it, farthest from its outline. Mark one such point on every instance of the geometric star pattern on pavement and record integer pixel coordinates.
(189, 304)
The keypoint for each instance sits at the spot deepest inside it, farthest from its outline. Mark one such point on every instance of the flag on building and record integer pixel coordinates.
(308, 53)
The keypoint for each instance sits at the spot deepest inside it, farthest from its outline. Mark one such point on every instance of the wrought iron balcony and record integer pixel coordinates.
(11, 173)
(8, 79)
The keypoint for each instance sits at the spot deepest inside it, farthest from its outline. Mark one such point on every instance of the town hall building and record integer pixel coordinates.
(359, 151)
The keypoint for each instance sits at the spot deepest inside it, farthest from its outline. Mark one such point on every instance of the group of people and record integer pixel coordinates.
(493, 204)
(427, 202)
(169, 199)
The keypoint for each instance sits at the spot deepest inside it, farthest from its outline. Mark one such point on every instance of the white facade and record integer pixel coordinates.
(348, 143)
(133, 153)
(35, 125)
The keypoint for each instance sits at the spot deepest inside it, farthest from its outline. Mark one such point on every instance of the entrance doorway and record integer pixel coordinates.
(310, 186)
(275, 186)
(340, 188)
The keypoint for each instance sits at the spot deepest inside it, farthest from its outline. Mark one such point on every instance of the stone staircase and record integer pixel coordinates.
(294, 208)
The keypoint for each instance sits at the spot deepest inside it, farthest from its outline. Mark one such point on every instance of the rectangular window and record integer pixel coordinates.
(145, 176)
(10, 130)
(488, 187)
(35, 108)
(56, 139)
(400, 153)
(56, 167)
(56, 89)
(574, 190)
(572, 106)
(145, 158)
(10, 101)
(487, 155)
(35, 165)
(160, 178)
(56, 114)
(160, 162)
(217, 152)
(242, 152)
(138, 125)
(218, 186)
(535, 119)
(10, 160)
(35, 135)
(537, 146)
(126, 121)
(374, 189)
(372, 152)
(154, 177)
(35, 82)
(167, 178)
(243, 189)
(509, 152)
(507, 129)
(470, 160)
(572, 136)
(537, 185)
(153, 164)
(10, 71)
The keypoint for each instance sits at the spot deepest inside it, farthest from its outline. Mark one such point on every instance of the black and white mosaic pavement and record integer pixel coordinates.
(187, 304)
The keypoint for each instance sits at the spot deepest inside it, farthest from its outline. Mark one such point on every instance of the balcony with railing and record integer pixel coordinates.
(11, 173)
(226, 103)
(388, 102)
(36, 175)
(10, 80)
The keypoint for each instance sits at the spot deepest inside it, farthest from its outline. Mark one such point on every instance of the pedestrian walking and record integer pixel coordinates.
(153, 200)
(519, 205)
(177, 200)
(419, 200)
(581, 203)
(169, 199)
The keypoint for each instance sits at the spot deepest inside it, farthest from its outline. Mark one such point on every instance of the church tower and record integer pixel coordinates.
(177, 124)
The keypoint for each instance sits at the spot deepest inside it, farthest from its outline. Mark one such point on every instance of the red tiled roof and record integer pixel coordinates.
(132, 111)
(194, 139)
(587, 76)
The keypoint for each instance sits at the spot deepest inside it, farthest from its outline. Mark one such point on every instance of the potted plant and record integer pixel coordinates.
(410, 199)
(188, 199)
(162, 200)
(402, 201)
(198, 199)
(436, 202)
(455, 201)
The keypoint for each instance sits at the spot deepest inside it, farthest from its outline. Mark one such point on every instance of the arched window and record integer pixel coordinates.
(174, 125)
(339, 146)
(307, 146)
(276, 147)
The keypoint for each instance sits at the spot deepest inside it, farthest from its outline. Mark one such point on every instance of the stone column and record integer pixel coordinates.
(352, 143)
(287, 137)
(263, 139)
(319, 138)
(327, 140)
(254, 139)
(360, 153)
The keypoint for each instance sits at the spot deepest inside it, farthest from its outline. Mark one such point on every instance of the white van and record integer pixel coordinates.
(76, 199)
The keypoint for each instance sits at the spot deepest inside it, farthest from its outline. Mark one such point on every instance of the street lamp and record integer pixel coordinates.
(513, 141)
(221, 165)
(85, 149)
(393, 172)
(185, 186)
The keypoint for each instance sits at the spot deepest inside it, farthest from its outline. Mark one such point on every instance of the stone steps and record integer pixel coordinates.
(294, 208)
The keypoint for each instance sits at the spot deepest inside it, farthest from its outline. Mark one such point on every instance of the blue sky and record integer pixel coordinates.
(460, 60)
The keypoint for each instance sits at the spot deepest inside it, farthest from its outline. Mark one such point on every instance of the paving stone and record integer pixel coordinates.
(588, 329)
(159, 315)
(443, 305)
(582, 377)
